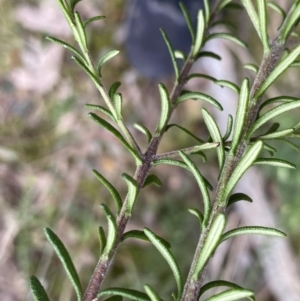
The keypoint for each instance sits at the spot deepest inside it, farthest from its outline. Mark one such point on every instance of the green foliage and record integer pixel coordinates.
(234, 156)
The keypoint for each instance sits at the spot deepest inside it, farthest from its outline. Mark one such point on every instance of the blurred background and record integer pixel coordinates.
(48, 147)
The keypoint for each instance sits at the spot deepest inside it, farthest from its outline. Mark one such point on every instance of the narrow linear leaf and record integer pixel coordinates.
(210, 244)
(232, 295)
(281, 67)
(80, 30)
(112, 230)
(226, 36)
(188, 21)
(252, 230)
(262, 16)
(207, 11)
(240, 114)
(106, 57)
(222, 4)
(275, 162)
(165, 107)
(285, 107)
(152, 179)
(198, 95)
(228, 84)
(228, 128)
(292, 21)
(141, 235)
(38, 290)
(215, 134)
(65, 259)
(201, 183)
(197, 213)
(118, 100)
(66, 45)
(113, 89)
(144, 130)
(165, 252)
(234, 6)
(252, 14)
(125, 292)
(172, 53)
(180, 55)
(93, 19)
(116, 133)
(113, 191)
(228, 24)
(151, 293)
(100, 108)
(251, 67)
(292, 145)
(269, 148)
(199, 75)
(273, 128)
(199, 34)
(246, 162)
(219, 283)
(186, 131)
(208, 54)
(276, 135)
(114, 298)
(276, 100)
(236, 197)
(132, 192)
(102, 239)
(72, 4)
(277, 8)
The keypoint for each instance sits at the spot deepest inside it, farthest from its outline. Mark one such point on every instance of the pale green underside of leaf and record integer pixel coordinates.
(126, 293)
(38, 290)
(188, 21)
(165, 107)
(252, 230)
(276, 135)
(102, 239)
(251, 67)
(132, 192)
(228, 128)
(226, 36)
(275, 162)
(252, 14)
(151, 293)
(210, 244)
(143, 130)
(227, 84)
(262, 15)
(277, 99)
(232, 295)
(93, 19)
(65, 259)
(105, 58)
(112, 230)
(199, 33)
(165, 252)
(197, 213)
(247, 160)
(101, 109)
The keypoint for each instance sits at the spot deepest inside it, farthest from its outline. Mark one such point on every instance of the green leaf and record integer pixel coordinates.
(272, 114)
(66, 45)
(241, 114)
(113, 191)
(172, 53)
(152, 179)
(113, 89)
(165, 252)
(207, 11)
(165, 107)
(208, 54)
(188, 21)
(114, 298)
(277, 8)
(151, 293)
(132, 192)
(118, 100)
(228, 84)
(65, 259)
(275, 162)
(215, 134)
(262, 15)
(186, 131)
(212, 240)
(252, 230)
(222, 4)
(116, 133)
(81, 31)
(102, 239)
(199, 75)
(252, 14)
(274, 127)
(279, 69)
(180, 55)
(236, 197)
(246, 162)
(197, 213)
(141, 235)
(38, 290)
(198, 95)
(251, 67)
(269, 148)
(72, 4)
(218, 283)
(100, 108)
(144, 130)
(106, 57)
(225, 23)
(201, 183)
(199, 34)
(93, 19)
(276, 135)
(232, 295)
(291, 21)
(82, 64)
(124, 292)
(292, 145)
(112, 230)
(277, 99)
(227, 36)
(228, 128)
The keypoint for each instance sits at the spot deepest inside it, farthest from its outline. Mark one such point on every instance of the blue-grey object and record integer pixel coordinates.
(145, 46)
